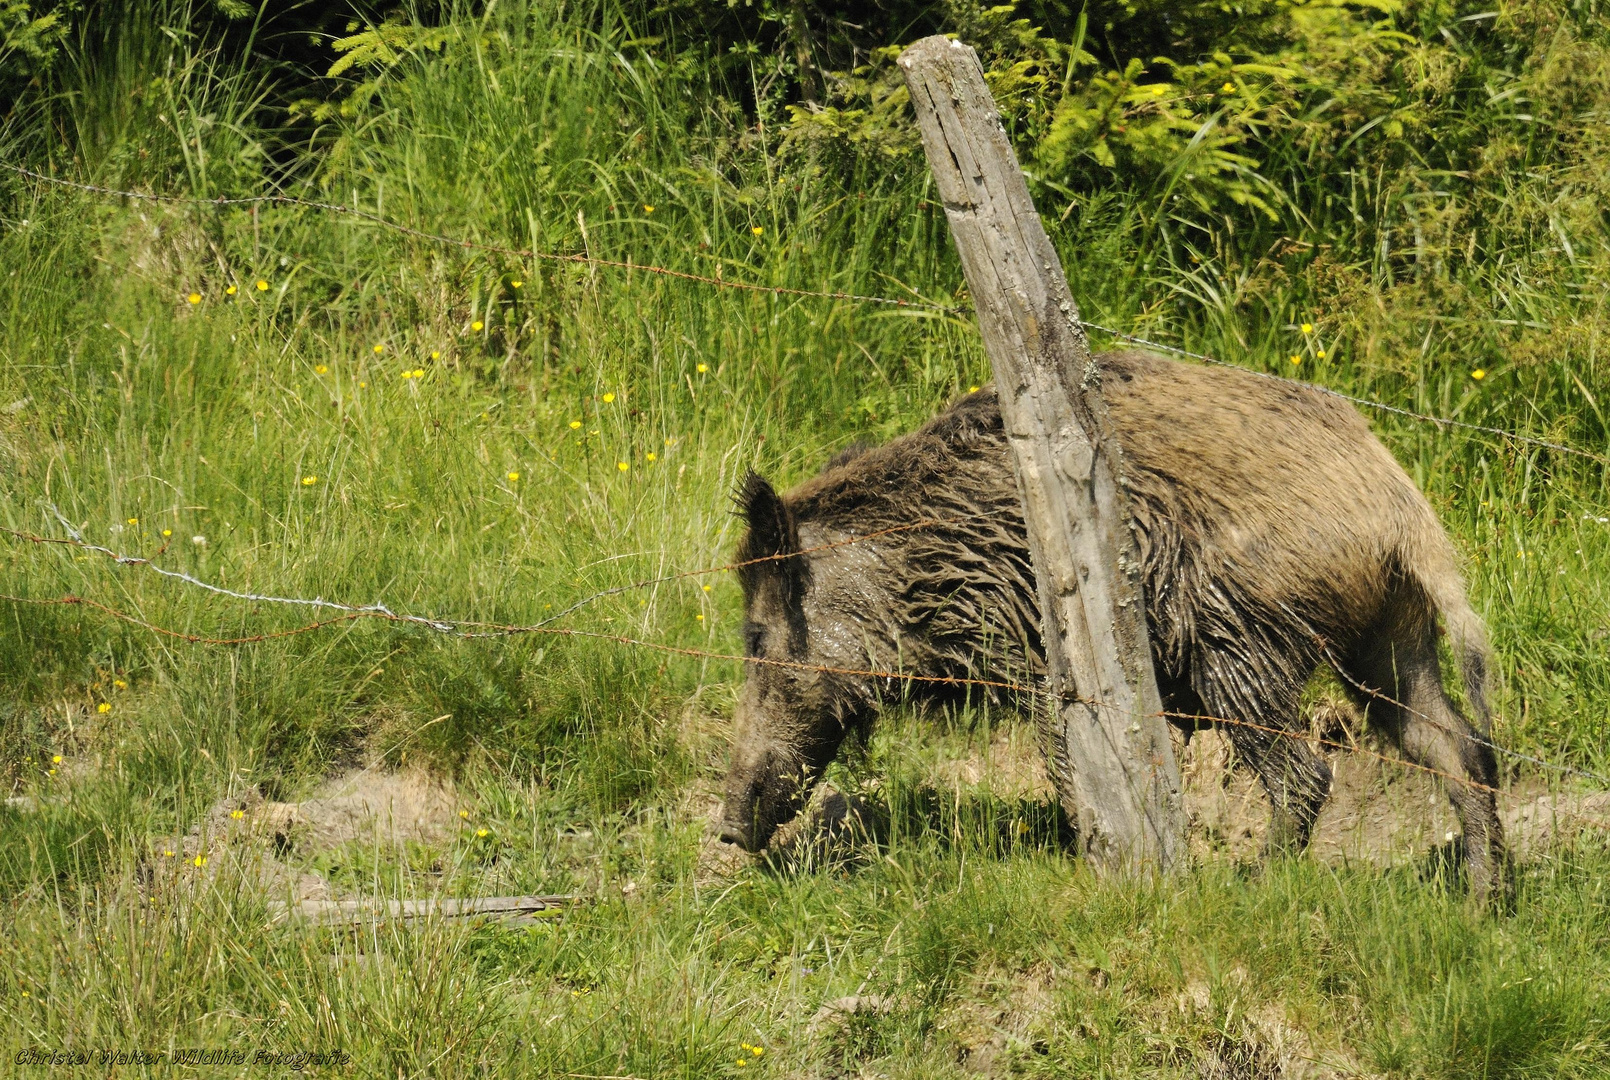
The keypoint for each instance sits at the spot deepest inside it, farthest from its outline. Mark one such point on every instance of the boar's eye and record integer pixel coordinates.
(754, 637)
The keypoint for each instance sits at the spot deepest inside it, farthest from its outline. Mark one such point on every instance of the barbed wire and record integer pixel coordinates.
(468, 628)
(719, 281)
(480, 629)
(75, 539)
(472, 629)
(582, 258)
(1471, 736)
(1442, 421)
(495, 629)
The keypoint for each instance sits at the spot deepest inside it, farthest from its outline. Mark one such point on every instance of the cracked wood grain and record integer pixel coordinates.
(1107, 741)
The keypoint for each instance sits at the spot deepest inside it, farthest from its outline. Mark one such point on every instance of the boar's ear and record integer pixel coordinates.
(772, 533)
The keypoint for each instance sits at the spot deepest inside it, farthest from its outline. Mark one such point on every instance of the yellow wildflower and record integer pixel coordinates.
(972, 389)
(103, 708)
(56, 760)
(574, 424)
(622, 466)
(1479, 374)
(262, 286)
(651, 456)
(702, 368)
(238, 815)
(516, 284)
(309, 481)
(419, 373)
(362, 385)
(483, 832)
(513, 476)
(320, 369)
(119, 683)
(167, 853)
(436, 354)
(706, 588)
(1295, 359)
(1227, 88)
(464, 814)
(1308, 328)
(477, 325)
(757, 230)
(193, 298)
(134, 521)
(231, 291)
(199, 861)
(699, 617)
(647, 209)
(167, 532)
(1159, 90)
(380, 347)
(1320, 353)
(608, 398)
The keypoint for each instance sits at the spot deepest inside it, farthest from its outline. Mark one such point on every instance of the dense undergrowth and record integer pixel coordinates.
(290, 401)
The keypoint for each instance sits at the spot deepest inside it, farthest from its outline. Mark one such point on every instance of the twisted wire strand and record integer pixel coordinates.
(778, 290)
(75, 539)
(476, 245)
(381, 611)
(481, 629)
(1441, 421)
(497, 629)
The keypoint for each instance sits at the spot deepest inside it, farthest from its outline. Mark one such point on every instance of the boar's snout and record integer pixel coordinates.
(738, 813)
(765, 789)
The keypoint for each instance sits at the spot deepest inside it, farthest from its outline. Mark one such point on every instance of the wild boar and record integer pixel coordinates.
(1276, 534)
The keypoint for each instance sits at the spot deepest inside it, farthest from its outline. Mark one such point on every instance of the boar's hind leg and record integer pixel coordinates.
(1295, 777)
(1398, 681)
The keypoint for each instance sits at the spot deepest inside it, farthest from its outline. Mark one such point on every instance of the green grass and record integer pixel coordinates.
(137, 414)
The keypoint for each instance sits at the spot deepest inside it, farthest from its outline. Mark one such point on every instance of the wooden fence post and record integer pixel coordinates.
(1107, 740)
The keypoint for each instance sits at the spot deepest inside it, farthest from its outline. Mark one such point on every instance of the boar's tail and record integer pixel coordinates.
(1436, 572)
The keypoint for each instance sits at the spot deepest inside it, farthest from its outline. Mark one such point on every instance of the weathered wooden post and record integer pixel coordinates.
(1106, 736)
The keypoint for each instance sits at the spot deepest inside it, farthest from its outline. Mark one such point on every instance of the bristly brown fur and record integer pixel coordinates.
(1275, 532)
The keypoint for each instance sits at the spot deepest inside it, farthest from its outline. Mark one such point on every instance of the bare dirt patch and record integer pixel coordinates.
(256, 838)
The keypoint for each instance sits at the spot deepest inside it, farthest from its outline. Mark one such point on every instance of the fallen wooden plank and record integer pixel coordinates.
(333, 912)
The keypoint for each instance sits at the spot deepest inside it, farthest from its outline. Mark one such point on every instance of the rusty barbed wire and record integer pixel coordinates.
(75, 539)
(1442, 421)
(718, 281)
(480, 629)
(475, 245)
(497, 629)
(472, 629)
(468, 628)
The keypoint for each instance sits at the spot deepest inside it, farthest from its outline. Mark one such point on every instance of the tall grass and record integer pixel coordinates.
(575, 429)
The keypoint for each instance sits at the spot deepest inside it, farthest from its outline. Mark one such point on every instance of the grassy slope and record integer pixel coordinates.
(144, 413)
